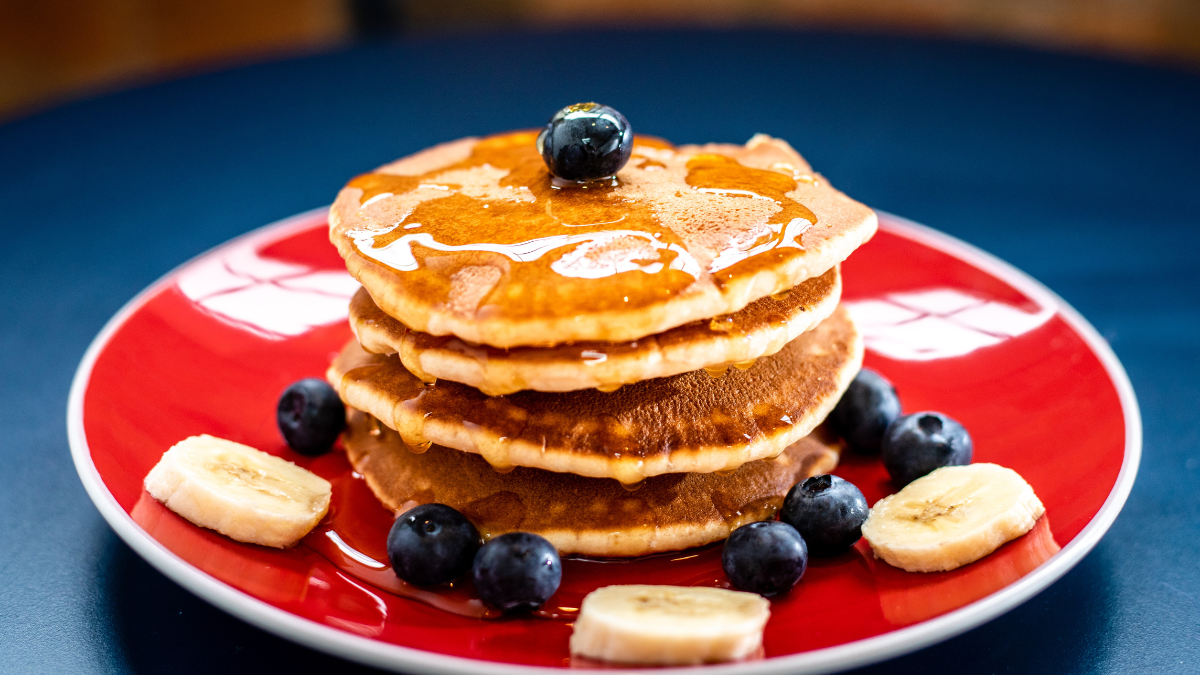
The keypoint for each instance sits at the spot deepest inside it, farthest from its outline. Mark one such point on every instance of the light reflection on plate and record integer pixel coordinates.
(939, 323)
(266, 296)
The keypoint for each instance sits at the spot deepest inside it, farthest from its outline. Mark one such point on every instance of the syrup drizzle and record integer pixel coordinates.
(549, 243)
(774, 311)
(505, 429)
(778, 239)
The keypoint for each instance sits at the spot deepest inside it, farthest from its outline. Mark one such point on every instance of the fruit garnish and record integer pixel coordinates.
(766, 557)
(432, 544)
(827, 511)
(243, 493)
(586, 141)
(669, 625)
(916, 444)
(951, 517)
(866, 409)
(310, 416)
(517, 571)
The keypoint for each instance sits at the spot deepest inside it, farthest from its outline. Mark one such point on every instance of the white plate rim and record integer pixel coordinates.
(825, 660)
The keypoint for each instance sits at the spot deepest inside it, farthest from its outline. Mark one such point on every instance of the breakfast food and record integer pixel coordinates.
(767, 557)
(310, 416)
(476, 239)
(669, 625)
(531, 378)
(583, 341)
(869, 405)
(601, 339)
(241, 492)
(586, 142)
(760, 329)
(951, 517)
(828, 512)
(916, 444)
(578, 514)
(517, 571)
(687, 423)
(432, 544)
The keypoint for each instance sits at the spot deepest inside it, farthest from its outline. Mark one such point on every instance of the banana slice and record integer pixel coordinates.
(669, 625)
(951, 517)
(243, 493)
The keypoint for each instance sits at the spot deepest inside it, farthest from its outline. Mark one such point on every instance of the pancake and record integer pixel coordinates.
(587, 516)
(475, 238)
(686, 423)
(763, 327)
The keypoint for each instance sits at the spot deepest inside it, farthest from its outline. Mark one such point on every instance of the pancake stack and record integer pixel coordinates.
(624, 367)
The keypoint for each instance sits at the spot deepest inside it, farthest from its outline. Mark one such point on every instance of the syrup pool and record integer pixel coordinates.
(353, 537)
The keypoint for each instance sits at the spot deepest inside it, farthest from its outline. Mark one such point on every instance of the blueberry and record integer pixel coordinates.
(310, 416)
(768, 557)
(586, 141)
(432, 544)
(517, 571)
(827, 511)
(867, 408)
(916, 444)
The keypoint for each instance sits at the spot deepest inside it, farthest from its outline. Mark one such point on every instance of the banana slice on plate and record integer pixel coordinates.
(243, 493)
(951, 517)
(669, 625)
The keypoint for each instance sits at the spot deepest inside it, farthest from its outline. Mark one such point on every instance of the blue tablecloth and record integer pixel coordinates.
(1083, 172)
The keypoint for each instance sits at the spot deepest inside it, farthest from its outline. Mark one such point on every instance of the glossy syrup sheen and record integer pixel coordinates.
(568, 247)
(721, 175)
(765, 317)
(774, 311)
(580, 514)
(354, 534)
(644, 422)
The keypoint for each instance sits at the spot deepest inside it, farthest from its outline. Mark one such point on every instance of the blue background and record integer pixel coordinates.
(1084, 173)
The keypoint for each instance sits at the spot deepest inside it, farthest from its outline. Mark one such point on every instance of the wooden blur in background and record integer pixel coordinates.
(55, 50)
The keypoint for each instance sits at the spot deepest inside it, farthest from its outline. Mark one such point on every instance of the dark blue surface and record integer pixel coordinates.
(1084, 173)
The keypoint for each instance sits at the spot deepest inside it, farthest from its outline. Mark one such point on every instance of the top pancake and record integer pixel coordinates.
(476, 239)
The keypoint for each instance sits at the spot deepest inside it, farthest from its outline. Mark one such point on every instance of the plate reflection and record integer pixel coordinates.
(939, 323)
(270, 297)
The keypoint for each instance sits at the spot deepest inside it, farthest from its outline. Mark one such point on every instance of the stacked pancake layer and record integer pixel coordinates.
(586, 516)
(641, 361)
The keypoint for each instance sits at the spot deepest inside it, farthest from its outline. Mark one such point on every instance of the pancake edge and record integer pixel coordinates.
(857, 225)
(628, 470)
(629, 542)
(497, 376)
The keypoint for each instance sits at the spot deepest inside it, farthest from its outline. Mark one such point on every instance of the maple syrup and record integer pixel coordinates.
(353, 537)
(628, 428)
(553, 250)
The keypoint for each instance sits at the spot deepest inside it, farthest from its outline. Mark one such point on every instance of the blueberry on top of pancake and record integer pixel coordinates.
(477, 239)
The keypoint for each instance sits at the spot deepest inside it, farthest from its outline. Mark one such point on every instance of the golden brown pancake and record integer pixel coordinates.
(475, 238)
(686, 423)
(763, 327)
(588, 516)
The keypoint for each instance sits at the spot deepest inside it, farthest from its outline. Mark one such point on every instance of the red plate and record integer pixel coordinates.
(209, 348)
